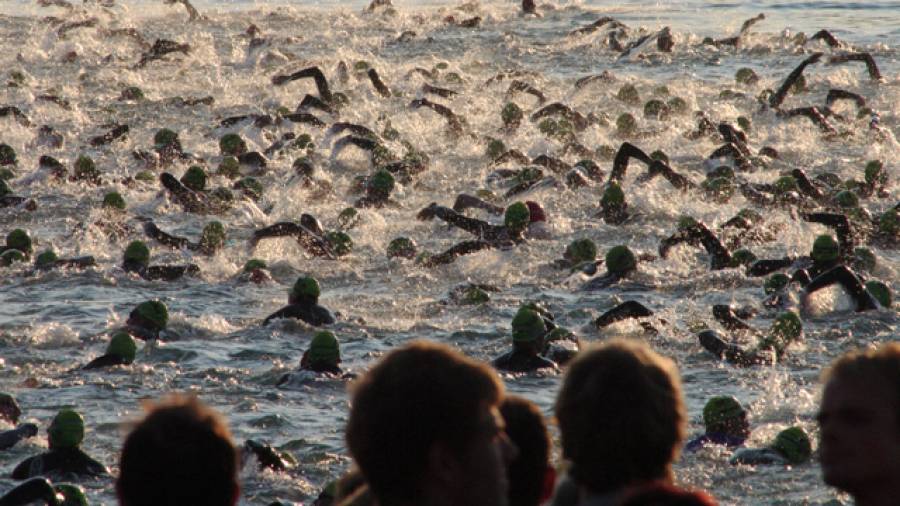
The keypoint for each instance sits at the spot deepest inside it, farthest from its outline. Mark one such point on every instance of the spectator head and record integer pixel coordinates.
(424, 424)
(860, 425)
(180, 453)
(531, 478)
(621, 416)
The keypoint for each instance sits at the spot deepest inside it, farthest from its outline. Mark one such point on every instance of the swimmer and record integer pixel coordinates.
(44, 492)
(695, 232)
(867, 296)
(48, 260)
(255, 271)
(528, 331)
(147, 320)
(212, 238)
(303, 304)
(454, 122)
(786, 329)
(8, 199)
(725, 421)
(826, 254)
(136, 259)
(310, 235)
(378, 191)
(792, 446)
(64, 436)
(121, 351)
(624, 311)
(323, 359)
(620, 263)
(268, 457)
(10, 412)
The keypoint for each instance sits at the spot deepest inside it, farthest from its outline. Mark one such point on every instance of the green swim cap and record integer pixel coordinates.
(881, 292)
(846, 198)
(581, 250)
(864, 259)
(348, 218)
(213, 236)
(19, 239)
(10, 256)
(656, 109)
(613, 196)
(194, 178)
(775, 283)
(4, 188)
(381, 183)
(875, 173)
(889, 222)
(825, 249)
(341, 243)
(122, 345)
(629, 94)
(154, 312)
(164, 138)
(7, 155)
(626, 124)
(745, 75)
(114, 200)
(45, 259)
(73, 495)
(145, 176)
(793, 443)
(306, 289)
(517, 216)
(742, 256)
(401, 247)
(744, 123)
(686, 222)
(229, 167)
(527, 326)
(620, 260)
(66, 430)
(788, 326)
(324, 348)
(511, 114)
(85, 168)
(719, 188)
(475, 295)
(251, 187)
(232, 144)
(495, 148)
(722, 410)
(253, 264)
(785, 184)
(137, 252)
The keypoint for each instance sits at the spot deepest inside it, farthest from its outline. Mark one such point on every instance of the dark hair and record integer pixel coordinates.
(663, 494)
(621, 416)
(180, 454)
(880, 366)
(415, 396)
(526, 428)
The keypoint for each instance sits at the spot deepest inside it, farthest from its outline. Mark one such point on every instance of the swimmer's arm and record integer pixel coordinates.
(379, 85)
(849, 281)
(626, 152)
(778, 97)
(169, 240)
(471, 225)
(33, 490)
(458, 250)
(768, 266)
(839, 223)
(280, 229)
(464, 201)
(313, 72)
(625, 310)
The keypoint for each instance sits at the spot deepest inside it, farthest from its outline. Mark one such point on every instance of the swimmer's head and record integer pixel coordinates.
(381, 184)
(306, 290)
(724, 414)
(114, 201)
(72, 495)
(846, 199)
(620, 260)
(403, 247)
(137, 252)
(213, 236)
(324, 349)
(122, 345)
(775, 283)
(18, 239)
(232, 144)
(194, 178)
(742, 256)
(613, 196)
(152, 314)
(535, 212)
(794, 444)
(66, 430)
(517, 216)
(45, 259)
(527, 326)
(581, 250)
(341, 244)
(825, 249)
(788, 327)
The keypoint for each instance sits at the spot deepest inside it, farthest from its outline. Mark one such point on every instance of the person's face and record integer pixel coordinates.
(860, 435)
(483, 480)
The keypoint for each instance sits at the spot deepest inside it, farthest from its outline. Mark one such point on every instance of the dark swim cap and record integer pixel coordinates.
(194, 178)
(153, 312)
(232, 144)
(19, 239)
(66, 430)
(122, 345)
(213, 236)
(306, 288)
(620, 260)
(613, 196)
(527, 326)
(401, 247)
(341, 243)
(721, 410)
(581, 250)
(45, 259)
(114, 200)
(325, 348)
(138, 252)
(517, 216)
(794, 444)
(381, 183)
(775, 283)
(825, 249)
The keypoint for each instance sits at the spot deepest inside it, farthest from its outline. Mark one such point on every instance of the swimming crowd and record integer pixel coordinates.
(620, 409)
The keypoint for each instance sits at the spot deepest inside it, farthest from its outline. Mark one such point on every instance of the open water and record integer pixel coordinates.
(52, 323)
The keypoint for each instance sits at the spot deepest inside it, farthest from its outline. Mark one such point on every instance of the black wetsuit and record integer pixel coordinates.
(312, 314)
(108, 360)
(59, 461)
(9, 438)
(519, 360)
(160, 272)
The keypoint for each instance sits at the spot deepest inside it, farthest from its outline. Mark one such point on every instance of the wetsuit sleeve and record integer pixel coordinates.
(767, 266)
(167, 239)
(104, 361)
(624, 311)
(474, 226)
(169, 272)
(188, 199)
(626, 152)
(463, 248)
(281, 229)
(464, 201)
(9, 438)
(36, 489)
(78, 262)
(284, 312)
(849, 281)
(721, 258)
(603, 281)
